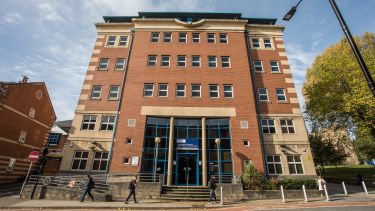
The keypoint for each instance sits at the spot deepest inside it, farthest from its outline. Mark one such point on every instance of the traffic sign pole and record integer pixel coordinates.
(27, 176)
(32, 158)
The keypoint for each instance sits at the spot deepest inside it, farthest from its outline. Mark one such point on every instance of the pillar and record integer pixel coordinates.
(204, 152)
(170, 152)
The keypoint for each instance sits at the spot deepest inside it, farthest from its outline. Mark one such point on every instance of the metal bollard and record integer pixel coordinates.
(221, 195)
(344, 187)
(282, 193)
(364, 187)
(326, 192)
(304, 193)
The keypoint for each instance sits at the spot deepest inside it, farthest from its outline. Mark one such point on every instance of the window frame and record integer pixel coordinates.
(196, 91)
(259, 95)
(288, 126)
(274, 164)
(295, 163)
(268, 126)
(253, 43)
(123, 160)
(126, 41)
(89, 122)
(281, 95)
(81, 158)
(145, 90)
(55, 139)
(148, 60)
(192, 60)
(223, 39)
(193, 40)
(177, 90)
(95, 92)
(22, 137)
(255, 66)
(211, 38)
(111, 92)
(154, 39)
(227, 62)
(108, 40)
(100, 64)
(117, 62)
(278, 66)
(231, 91)
(266, 44)
(170, 37)
(108, 123)
(166, 90)
(213, 91)
(178, 60)
(162, 62)
(180, 38)
(101, 159)
(210, 62)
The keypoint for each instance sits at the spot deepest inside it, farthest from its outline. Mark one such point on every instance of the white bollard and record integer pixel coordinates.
(221, 195)
(326, 192)
(304, 193)
(282, 193)
(344, 187)
(364, 187)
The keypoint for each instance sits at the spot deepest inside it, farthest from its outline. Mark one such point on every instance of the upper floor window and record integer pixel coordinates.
(107, 123)
(223, 38)
(96, 91)
(32, 112)
(167, 37)
(100, 161)
(11, 164)
(196, 37)
(103, 64)
(213, 90)
(155, 36)
(148, 90)
(53, 139)
(210, 37)
(196, 61)
(255, 42)
(80, 160)
(181, 61)
(182, 37)
(228, 91)
(211, 61)
(274, 164)
(113, 92)
(111, 41)
(120, 64)
(258, 66)
(287, 126)
(295, 164)
(280, 94)
(165, 61)
(88, 122)
(268, 126)
(225, 61)
(195, 90)
(22, 138)
(263, 94)
(123, 41)
(267, 43)
(274, 66)
(180, 90)
(151, 60)
(163, 90)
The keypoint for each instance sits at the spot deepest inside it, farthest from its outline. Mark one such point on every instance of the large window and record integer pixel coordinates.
(80, 160)
(287, 126)
(196, 61)
(107, 123)
(268, 126)
(163, 90)
(213, 90)
(180, 90)
(295, 164)
(53, 139)
(263, 94)
(228, 91)
(148, 90)
(211, 61)
(181, 61)
(88, 122)
(100, 161)
(113, 92)
(167, 37)
(274, 165)
(155, 37)
(195, 90)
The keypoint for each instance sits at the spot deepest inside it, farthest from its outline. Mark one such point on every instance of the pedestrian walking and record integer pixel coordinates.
(359, 179)
(321, 183)
(212, 187)
(89, 185)
(131, 188)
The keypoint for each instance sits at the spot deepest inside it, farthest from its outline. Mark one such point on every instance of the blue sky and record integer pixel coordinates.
(51, 41)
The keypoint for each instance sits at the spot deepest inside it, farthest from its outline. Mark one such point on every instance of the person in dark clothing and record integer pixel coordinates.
(131, 188)
(89, 185)
(212, 187)
(359, 179)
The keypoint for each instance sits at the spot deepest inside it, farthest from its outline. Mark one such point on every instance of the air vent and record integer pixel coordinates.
(244, 124)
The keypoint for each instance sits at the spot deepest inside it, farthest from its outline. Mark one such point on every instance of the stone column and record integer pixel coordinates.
(204, 153)
(170, 152)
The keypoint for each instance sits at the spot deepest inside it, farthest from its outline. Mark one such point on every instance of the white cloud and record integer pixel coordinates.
(11, 18)
(49, 11)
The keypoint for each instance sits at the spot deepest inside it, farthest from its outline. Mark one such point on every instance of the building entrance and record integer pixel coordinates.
(187, 173)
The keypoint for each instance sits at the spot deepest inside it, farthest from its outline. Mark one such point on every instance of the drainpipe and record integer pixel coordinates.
(248, 47)
(119, 102)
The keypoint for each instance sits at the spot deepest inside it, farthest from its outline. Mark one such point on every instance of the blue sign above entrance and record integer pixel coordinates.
(187, 144)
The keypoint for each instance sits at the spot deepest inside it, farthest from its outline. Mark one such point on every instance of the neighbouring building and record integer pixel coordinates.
(188, 80)
(26, 117)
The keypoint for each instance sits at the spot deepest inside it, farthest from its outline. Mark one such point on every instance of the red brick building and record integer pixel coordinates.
(196, 83)
(26, 117)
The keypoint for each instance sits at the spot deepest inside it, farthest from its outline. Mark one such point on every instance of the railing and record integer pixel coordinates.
(141, 177)
(227, 179)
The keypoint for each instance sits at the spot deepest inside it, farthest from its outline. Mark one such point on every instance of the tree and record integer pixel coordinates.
(336, 92)
(365, 148)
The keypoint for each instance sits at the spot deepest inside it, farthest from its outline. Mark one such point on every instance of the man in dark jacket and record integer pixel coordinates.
(89, 185)
(212, 187)
(131, 188)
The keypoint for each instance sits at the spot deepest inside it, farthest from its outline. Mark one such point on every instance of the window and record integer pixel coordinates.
(195, 90)
(295, 164)
(103, 64)
(32, 112)
(267, 43)
(258, 66)
(214, 90)
(151, 60)
(182, 37)
(80, 160)
(274, 66)
(113, 92)
(53, 139)
(268, 126)
(263, 94)
(211, 38)
(11, 164)
(167, 37)
(196, 61)
(287, 126)
(246, 142)
(163, 90)
(126, 160)
(120, 64)
(196, 37)
(180, 90)
(155, 37)
(22, 138)
(223, 38)
(165, 61)
(123, 41)
(181, 61)
(255, 42)
(100, 161)
(211, 61)
(107, 123)
(111, 40)
(280, 94)
(148, 90)
(96, 91)
(128, 140)
(88, 122)
(228, 91)
(225, 61)
(274, 164)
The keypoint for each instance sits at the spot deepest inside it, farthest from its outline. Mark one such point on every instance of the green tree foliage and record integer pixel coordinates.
(365, 147)
(336, 91)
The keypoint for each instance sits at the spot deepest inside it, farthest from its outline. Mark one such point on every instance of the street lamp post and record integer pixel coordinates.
(217, 141)
(157, 141)
(349, 36)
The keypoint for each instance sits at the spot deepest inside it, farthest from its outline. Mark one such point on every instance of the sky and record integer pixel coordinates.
(52, 41)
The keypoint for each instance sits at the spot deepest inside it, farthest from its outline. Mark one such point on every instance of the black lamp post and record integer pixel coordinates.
(349, 36)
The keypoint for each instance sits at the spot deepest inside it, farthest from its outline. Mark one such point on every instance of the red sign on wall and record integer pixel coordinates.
(33, 156)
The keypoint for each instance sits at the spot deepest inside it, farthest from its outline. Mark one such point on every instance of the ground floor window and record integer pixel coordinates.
(80, 160)
(295, 164)
(100, 161)
(274, 164)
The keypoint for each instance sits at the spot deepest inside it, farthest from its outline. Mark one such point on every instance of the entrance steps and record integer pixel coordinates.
(184, 193)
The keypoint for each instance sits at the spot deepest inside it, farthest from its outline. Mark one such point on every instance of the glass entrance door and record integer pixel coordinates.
(187, 169)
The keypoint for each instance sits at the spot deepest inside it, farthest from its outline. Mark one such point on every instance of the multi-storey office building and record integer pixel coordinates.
(188, 80)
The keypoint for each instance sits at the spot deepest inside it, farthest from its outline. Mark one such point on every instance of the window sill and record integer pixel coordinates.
(262, 72)
(113, 99)
(119, 70)
(276, 72)
(283, 102)
(102, 69)
(95, 99)
(265, 101)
